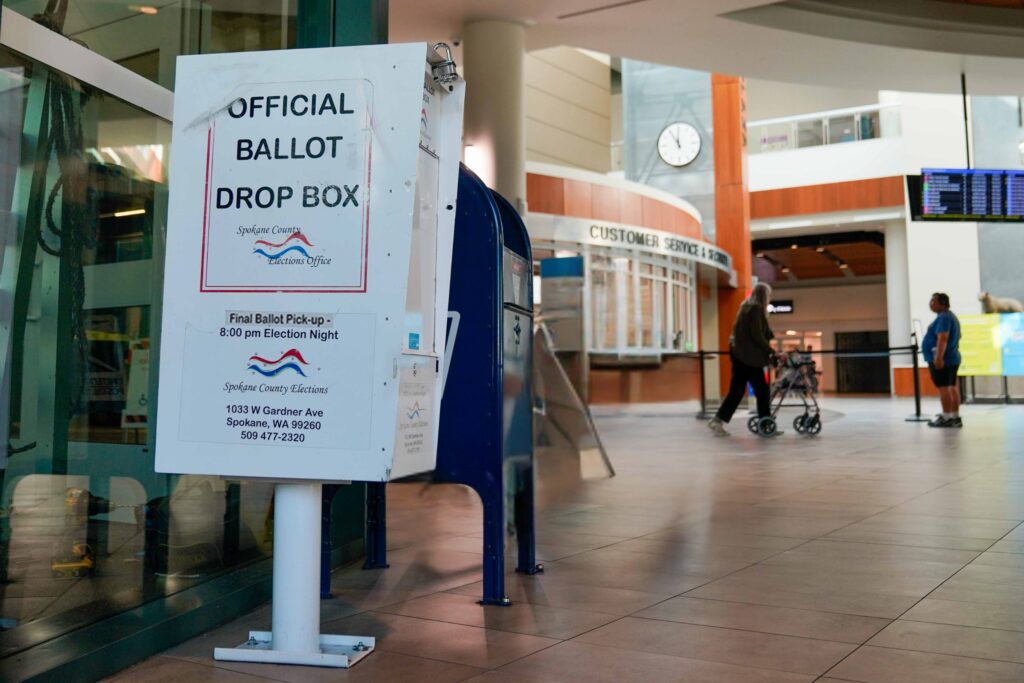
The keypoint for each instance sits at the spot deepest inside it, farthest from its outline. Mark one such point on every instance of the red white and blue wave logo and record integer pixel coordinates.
(292, 245)
(289, 361)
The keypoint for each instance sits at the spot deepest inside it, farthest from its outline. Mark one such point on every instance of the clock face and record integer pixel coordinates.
(679, 144)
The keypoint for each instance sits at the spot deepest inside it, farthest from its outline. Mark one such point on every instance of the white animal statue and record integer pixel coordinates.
(996, 304)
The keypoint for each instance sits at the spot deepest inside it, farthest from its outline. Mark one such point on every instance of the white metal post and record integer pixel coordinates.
(295, 637)
(296, 606)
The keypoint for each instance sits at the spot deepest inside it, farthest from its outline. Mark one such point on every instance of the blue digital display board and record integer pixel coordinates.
(960, 194)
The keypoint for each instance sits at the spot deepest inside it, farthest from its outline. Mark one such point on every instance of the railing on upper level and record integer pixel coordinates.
(823, 128)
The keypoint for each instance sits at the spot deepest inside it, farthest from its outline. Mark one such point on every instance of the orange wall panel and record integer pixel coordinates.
(676, 380)
(578, 199)
(607, 204)
(732, 198)
(848, 196)
(903, 382)
(545, 194)
(631, 208)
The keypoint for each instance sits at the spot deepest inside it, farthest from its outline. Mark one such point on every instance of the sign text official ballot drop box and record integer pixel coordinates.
(306, 293)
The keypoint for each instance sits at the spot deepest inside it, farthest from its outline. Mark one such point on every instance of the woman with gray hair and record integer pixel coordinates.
(750, 350)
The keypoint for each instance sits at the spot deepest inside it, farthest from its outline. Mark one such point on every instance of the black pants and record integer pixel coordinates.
(741, 374)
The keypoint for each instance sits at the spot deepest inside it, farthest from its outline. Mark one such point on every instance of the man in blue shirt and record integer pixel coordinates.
(941, 348)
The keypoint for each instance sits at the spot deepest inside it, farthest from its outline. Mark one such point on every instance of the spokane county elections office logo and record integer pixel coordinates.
(295, 244)
(288, 362)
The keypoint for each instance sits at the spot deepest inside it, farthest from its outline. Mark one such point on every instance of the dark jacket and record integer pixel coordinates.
(750, 340)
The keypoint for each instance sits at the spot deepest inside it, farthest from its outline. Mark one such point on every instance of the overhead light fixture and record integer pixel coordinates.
(794, 246)
(791, 333)
(790, 224)
(143, 9)
(129, 212)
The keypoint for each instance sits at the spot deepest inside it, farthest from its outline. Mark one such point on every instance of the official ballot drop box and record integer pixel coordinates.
(309, 243)
(309, 253)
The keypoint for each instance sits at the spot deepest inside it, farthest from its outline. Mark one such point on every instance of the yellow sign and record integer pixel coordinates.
(981, 350)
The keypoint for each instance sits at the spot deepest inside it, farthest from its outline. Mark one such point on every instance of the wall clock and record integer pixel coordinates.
(679, 144)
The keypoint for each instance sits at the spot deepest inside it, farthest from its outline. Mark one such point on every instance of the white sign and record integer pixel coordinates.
(602, 233)
(293, 178)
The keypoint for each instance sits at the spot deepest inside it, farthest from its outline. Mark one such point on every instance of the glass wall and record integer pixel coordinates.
(823, 128)
(640, 304)
(146, 38)
(87, 528)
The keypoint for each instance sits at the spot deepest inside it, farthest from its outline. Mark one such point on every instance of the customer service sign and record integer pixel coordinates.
(291, 198)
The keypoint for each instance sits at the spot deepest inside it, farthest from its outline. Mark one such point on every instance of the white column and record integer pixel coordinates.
(295, 611)
(495, 116)
(897, 289)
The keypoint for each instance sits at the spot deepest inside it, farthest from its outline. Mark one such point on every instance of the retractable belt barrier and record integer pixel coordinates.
(912, 350)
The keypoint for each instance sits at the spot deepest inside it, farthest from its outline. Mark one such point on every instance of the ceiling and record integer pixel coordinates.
(850, 256)
(912, 45)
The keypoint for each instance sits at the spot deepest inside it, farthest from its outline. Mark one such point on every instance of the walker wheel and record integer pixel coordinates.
(766, 426)
(800, 423)
(813, 425)
(752, 424)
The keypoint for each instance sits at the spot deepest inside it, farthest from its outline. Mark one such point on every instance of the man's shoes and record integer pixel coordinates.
(958, 423)
(716, 426)
(944, 422)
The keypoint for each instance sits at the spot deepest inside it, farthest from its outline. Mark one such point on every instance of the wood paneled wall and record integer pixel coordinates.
(732, 198)
(848, 196)
(564, 197)
(677, 379)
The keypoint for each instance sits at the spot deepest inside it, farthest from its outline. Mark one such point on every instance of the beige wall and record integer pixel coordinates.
(568, 109)
(771, 99)
(853, 308)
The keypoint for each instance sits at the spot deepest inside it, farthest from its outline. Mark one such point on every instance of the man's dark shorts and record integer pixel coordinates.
(946, 377)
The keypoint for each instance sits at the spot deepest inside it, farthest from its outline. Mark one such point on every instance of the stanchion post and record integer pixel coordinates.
(703, 392)
(916, 417)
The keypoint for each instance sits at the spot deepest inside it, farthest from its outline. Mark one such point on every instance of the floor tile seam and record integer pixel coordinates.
(488, 627)
(948, 654)
(904, 613)
(483, 669)
(904, 545)
(753, 630)
(798, 609)
(698, 658)
(216, 664)
(1019, 631)
(827, 538)
(455, 623)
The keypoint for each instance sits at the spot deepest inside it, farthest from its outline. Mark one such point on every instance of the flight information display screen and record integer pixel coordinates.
(963, 194)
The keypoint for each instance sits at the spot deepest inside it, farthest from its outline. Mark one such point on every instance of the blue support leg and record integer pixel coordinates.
(494, 549)
(326, 498)
(376, 526)
(526, 525)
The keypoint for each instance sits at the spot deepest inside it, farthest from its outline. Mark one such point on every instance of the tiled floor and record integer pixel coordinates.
(881, 551)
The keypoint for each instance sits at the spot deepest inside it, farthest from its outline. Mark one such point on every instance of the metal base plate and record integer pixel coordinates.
(339, 652)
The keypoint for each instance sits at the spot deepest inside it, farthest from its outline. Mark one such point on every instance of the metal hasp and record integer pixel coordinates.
(486, 432)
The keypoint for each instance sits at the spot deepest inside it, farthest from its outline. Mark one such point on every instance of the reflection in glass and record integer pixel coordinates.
(87, 528)
(147, 37)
